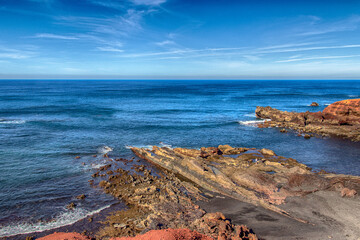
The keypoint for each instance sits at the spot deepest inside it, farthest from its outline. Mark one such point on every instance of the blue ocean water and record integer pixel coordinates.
(45, 124)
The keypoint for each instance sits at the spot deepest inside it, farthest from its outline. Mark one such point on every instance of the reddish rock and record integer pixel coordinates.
(168, 234)
(340, 119)
(346, 192)
(62, 236)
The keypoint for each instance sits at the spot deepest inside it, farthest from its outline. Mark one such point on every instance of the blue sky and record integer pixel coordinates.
(180, 39)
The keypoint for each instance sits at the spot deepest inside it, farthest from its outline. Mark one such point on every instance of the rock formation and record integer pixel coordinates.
(161, 201)
(168, 234)
(62, 236)
(340, 119)
(256, 176)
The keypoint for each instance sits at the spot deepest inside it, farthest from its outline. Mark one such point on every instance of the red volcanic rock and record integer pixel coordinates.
(340, 119)
(347, 110)
(62, 236)
(168, 234)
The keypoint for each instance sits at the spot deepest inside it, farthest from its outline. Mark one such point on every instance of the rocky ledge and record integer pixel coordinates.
(159, 201)
(255, 176)
(340, 119)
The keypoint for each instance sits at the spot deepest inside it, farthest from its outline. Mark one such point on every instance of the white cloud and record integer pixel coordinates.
(165, 42)
(317, 58)
(109, 49)
(348, 24)
(148, 2)
(55, 36)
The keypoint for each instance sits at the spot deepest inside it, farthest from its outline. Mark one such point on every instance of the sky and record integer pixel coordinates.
(179, 39)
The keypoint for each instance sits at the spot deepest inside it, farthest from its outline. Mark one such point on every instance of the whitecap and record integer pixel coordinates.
(249, 115)
(4, 121)
(105, 149)
(139, 146)
(63, 219)
(252, 123)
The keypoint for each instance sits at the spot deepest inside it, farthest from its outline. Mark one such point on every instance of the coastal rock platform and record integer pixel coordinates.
(340, 119)
(317, 202)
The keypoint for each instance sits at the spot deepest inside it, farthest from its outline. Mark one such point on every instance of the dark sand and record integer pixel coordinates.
(330, 217)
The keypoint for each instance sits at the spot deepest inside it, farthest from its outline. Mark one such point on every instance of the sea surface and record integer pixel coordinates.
(44, 125)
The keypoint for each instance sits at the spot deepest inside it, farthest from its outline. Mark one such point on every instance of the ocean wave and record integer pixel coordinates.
(63, 219)
(4, 121)
(139, 146)
(249, 115)
(252, 123)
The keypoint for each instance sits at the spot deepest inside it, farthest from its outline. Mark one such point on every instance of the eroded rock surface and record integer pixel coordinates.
(255, 176)
(162, 202)
(340, 119)
(168, 234)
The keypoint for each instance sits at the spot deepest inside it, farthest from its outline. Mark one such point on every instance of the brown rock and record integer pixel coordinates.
(314, 104)
(340, 119)
(71, 206)
(346, 192)
(82, 196)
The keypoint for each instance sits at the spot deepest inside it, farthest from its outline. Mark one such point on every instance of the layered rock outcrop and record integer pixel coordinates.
(159, 201)
(340, 119)
(256, 176)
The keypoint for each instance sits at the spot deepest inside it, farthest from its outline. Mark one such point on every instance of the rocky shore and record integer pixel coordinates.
(261, 178)
(216, 192)
(340, 119)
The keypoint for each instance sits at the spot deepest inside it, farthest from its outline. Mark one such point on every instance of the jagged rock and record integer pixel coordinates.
(159, 203)
(340, 119)
(259, 177)
(346, 192)
(71, 206)
(82, 196)
(168, 234)
(314, 104)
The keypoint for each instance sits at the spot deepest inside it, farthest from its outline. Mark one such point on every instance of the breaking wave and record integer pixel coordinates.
(63, 219)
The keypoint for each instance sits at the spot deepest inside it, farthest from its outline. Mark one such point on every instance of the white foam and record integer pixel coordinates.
(139, 146)
(63, 219)
(105, 149)
(3, 121)
(165, 145)
(252, 123)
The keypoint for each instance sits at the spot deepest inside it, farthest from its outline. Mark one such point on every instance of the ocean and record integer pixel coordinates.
(44, 125)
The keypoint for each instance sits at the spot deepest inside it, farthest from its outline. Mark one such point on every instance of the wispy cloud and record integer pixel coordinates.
(247, 53)
(348, 24)
(110, 49)
(317, 58)
(115, 26)
(148, 2)
(11, 53)
(54, 36)
(165, 43)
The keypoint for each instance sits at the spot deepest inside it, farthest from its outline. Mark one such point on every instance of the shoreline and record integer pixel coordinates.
(79, 226)
(267, 221)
